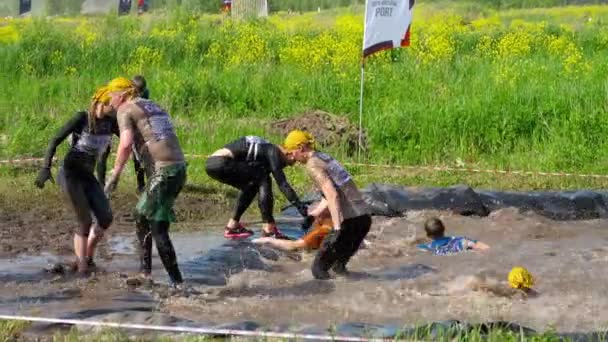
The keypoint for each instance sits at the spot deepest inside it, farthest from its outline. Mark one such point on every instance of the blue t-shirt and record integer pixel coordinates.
(448, 245)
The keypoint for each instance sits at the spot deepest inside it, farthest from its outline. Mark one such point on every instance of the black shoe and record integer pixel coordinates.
(91, 263)
(340, 268)
(319, 273)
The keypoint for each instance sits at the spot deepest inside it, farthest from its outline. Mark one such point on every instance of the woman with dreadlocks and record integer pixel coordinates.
(91, 134)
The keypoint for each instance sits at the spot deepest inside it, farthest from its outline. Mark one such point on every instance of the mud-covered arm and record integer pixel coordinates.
(102, 164)
(74, 124)
(285, 245)
(124, 148)
(317, 172)
(318, 210)
(127, 127)
(276, 168)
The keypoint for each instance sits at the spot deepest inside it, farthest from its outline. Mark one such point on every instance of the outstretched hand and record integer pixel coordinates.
(111, 184)
(307, 223)
(43, 175)
(302, 209)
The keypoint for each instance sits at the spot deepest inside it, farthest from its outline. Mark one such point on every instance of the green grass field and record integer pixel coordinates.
(519, 89)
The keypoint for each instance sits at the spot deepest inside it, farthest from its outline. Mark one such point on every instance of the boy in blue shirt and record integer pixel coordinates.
(446, 245)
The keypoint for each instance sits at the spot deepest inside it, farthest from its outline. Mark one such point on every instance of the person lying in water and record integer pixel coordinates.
(321, 227)
(446, 245)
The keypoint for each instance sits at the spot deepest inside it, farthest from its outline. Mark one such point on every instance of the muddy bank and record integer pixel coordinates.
(46, 223)
(328, 129)
(392, 283)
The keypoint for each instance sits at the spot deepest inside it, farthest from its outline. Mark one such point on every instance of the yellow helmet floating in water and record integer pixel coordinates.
(520, 278)
(296, 138)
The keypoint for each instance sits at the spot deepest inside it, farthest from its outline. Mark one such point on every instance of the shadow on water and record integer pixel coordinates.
(232, 257)
(59, 296)
(26, 268)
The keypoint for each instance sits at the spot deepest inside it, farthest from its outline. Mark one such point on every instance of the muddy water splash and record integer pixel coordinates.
(391, 281)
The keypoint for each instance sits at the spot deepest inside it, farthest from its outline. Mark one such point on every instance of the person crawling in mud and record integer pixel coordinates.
(321, 227)
(246, 164)
(446, 245)
(350, 215)
(154, 211)
(91, 134)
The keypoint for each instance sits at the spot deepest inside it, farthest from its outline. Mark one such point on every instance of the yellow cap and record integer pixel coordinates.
(520, 278)
(121, 84)
(296, 138)
(102, 95)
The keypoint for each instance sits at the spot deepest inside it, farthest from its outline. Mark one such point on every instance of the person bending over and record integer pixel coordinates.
(246, 164)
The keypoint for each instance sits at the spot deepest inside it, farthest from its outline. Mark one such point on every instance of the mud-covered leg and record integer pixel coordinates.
(266, 200)
(100, 206)
(325, 258)
(244, 200)
(160, 231)
(140, 172)
(144, 235)
(76, 193)
(349, 242)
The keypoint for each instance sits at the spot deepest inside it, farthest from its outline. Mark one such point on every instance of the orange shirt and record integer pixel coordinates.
(319, 231)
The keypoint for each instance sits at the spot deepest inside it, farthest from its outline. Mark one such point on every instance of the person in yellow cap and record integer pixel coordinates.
(350, 214)
(91, 133)
(154, 212)
(246, 164)
(141, 160)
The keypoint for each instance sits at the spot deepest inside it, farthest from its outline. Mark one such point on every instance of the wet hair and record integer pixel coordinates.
(434, 228)
(140, 85)
(91, 117)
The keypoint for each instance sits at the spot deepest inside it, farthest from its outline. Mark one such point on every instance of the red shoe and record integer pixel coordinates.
(239, 232)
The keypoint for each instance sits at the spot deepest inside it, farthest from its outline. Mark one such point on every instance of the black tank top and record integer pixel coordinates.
(89, 142)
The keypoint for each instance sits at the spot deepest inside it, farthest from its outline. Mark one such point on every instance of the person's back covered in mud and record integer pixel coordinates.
(142, 162)
(247, 164)
(154, 211)
(446, 245)
(91, 133)
(350, 214)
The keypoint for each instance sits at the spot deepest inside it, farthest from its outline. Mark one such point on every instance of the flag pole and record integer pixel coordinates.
(361, 111)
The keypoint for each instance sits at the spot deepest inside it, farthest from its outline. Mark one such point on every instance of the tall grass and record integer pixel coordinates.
(519, 89)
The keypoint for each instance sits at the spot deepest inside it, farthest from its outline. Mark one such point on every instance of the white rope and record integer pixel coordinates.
(206, 331)
(397, 166)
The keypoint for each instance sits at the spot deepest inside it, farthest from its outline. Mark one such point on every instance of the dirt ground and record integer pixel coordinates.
(391, 281)
(48, 224)
(328, 129)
